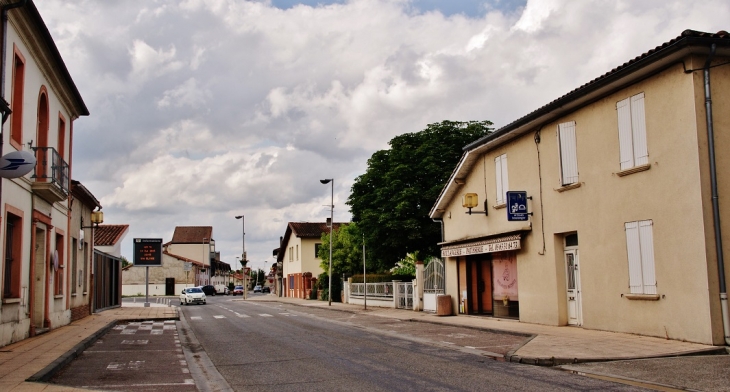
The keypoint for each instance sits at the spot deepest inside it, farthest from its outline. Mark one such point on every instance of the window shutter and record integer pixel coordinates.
(633, 246)
(625, 138)
(505, 183)
(498, 174)
(638, 128)
(646, 238)
(568, 156)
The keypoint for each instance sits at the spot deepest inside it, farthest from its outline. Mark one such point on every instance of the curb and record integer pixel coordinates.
(553, 361)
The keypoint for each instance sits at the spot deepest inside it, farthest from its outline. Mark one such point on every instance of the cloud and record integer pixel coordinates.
(203, 110)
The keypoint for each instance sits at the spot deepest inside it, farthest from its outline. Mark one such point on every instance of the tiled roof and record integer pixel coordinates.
(109, 235)
(191, 234)
(311, 229)
(687, 38)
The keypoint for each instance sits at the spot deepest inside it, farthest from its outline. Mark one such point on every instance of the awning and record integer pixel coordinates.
(492, 245)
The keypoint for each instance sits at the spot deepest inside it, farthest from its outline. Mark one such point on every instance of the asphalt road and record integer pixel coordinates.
(271, 346)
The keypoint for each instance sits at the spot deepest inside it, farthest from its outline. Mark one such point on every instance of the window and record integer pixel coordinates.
(633, 149)
(568, 155)
(74, 264)
(640, 246)
(58, 274)
(61, 136)
(316, 250)
(85, 267)
(13, 246)
(297, 252)
(500, 164)
(16, 118)
(291, 253)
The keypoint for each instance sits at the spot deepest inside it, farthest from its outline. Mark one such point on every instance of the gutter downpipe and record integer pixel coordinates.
(715, 199)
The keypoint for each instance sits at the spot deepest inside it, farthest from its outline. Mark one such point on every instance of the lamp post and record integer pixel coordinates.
(243, 255)
(332, 223)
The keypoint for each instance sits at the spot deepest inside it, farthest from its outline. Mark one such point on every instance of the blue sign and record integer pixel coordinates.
(517, 206)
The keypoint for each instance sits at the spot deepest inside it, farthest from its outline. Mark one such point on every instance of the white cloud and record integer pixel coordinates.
(206, 109)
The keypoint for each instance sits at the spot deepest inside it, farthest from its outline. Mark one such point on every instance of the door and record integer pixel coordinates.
(573, 287)
(39, 279)
(170, 286)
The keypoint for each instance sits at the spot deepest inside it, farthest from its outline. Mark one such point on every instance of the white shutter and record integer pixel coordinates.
(498, 174)
(633, 246)
(505, 183)
(646, 238)
(638, 129)
(626, 149)
(568, 156)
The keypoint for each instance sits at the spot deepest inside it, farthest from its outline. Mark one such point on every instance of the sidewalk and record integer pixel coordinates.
(35, 357)
(550, 346)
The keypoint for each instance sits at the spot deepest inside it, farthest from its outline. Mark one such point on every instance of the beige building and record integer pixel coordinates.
(297, 256)
(620, 234)
(37, 228)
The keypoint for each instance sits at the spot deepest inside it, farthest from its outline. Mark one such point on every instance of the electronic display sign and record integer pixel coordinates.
(148, 252)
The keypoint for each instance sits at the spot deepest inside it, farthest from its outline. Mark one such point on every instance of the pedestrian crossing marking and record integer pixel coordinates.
(219, 316)
(242, 315)
(265, 315)
(196, 318)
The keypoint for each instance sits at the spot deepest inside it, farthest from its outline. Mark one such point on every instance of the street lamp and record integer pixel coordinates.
(243, 255)
(332, 223)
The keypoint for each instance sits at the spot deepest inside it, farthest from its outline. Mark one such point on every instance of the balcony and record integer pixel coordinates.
(50, 174)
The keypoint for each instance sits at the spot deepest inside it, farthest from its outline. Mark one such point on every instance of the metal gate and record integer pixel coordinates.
(433, 284)
(403, 295)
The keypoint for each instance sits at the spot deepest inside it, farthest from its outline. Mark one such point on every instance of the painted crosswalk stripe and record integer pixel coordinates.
(196, 318)
(288, 314)
(265, 315)
(242, 315)
(219, 316)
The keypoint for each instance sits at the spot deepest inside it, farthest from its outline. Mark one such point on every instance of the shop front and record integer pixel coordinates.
(487, 276)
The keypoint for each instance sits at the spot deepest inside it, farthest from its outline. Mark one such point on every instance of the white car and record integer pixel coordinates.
(192, 295)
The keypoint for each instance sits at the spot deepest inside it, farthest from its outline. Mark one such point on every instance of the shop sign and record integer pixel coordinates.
(517, 206)
(505, 245)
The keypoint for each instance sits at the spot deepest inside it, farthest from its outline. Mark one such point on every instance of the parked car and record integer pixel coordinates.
(238, 290)
(208, 289)
(257, 288)
(266, 289)
(192, 295)
(222, 289)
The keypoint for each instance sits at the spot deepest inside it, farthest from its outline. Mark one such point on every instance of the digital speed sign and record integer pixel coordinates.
(148, 252)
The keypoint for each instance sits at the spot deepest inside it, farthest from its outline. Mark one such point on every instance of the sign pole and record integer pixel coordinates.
(147, 287)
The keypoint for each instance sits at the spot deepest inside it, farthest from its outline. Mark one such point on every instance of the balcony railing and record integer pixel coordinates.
(50, 174)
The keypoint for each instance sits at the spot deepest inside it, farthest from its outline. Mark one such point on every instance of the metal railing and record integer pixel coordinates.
(382, 290)
(51, 167)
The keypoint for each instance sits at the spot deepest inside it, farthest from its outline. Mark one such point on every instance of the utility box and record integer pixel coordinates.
(443, 305)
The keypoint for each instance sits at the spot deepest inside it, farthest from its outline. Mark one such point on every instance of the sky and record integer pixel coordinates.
(202, 110)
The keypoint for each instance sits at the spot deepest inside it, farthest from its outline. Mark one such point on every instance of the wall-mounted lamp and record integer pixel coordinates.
(97, 218)
(471, 200)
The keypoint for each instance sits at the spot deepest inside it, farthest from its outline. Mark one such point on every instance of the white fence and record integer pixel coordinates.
(381, 294)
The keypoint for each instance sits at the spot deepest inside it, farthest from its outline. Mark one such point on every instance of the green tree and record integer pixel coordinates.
(391, 201)
(346, 250)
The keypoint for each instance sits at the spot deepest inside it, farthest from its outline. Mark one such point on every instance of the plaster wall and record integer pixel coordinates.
(669, 193)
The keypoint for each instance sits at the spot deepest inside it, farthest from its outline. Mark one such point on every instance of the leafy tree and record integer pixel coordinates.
(391, 201)
(346, 250)
(125, 262)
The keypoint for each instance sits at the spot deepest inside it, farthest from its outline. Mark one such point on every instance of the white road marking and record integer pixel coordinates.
(242, 315)
(219, 316)
(265, 315)
(196, 318)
